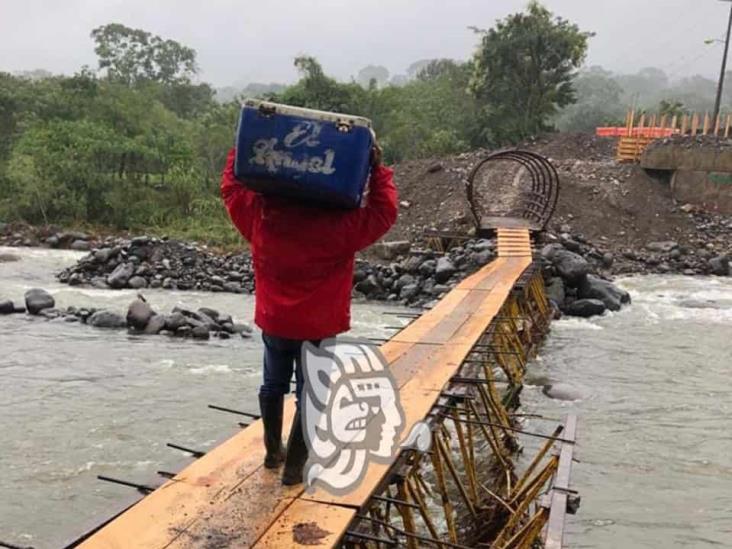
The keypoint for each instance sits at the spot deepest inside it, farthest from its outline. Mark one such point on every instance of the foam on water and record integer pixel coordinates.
(211, 369)
(568, 323)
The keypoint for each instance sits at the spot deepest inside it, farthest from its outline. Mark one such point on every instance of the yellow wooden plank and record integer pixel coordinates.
(470, 282)
(393, 350)
(482, 282)
(241, 517)
(160, 517)
(422, 325)
(307, 523)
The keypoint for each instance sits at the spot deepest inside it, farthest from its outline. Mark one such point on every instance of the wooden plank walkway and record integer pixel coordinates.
(228, 499)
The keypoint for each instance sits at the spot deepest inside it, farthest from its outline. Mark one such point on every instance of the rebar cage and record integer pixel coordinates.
(524, 195)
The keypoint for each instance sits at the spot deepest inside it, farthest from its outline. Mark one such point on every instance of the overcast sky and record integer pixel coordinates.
(255, 41)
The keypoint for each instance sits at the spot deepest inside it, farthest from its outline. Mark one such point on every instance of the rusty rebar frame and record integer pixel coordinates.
(466, 490)
(544, 186)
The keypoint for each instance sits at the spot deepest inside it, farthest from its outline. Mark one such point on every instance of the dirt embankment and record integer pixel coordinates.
(598, 197)
(619, 208)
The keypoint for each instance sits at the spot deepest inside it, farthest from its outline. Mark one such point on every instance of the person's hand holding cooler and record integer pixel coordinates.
(376, 154)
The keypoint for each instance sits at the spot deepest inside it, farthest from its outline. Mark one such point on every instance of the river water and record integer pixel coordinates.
(655, 420)
(655, 431)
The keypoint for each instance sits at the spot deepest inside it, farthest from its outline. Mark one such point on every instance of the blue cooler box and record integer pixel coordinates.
(313, 156)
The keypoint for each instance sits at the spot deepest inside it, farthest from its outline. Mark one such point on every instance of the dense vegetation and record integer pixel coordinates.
(138, 143)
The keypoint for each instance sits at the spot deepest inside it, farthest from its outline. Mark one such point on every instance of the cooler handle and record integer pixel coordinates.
(267, 110)
(344, 125)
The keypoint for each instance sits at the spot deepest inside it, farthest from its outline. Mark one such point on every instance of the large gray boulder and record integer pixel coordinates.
(368, 285)
(137, 283)
(139, 314)
(37, 299)
(427, 268)
(411, 264)
(549, 251)
(483, 257)
(409, 291)
(720, 265)
(103, 255)
(209, 312)
(593, 287)
(585, 308)
(121, 275)
(106, 319)
(200, 332)
(155, 325)
(175, 321)
(404, 280)
(205, 320)
(571, 267)
(444, 270)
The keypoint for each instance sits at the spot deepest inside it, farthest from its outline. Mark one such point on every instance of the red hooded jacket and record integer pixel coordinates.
(303, 256)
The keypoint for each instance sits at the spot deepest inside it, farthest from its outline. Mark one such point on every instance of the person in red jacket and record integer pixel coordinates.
(303, 267)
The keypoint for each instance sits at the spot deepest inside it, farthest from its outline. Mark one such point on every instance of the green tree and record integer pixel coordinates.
(133, 55)
(59, 170)
(433, 115)
(523, 71)
(316, 90)
(186, 100)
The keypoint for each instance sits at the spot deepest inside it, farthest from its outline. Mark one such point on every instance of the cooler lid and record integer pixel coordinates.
(277, 108)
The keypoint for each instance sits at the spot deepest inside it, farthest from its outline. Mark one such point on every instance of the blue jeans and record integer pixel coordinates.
(281, 357)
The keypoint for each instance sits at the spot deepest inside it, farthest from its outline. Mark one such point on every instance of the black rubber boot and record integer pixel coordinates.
(271, 408)
(297, 454)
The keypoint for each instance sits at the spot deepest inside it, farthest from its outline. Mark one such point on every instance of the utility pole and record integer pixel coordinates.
(720, 86)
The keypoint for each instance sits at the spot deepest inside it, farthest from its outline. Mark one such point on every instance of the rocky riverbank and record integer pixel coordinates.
(399, 272)
(22, 234)
(141, 318)
(149, 262)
